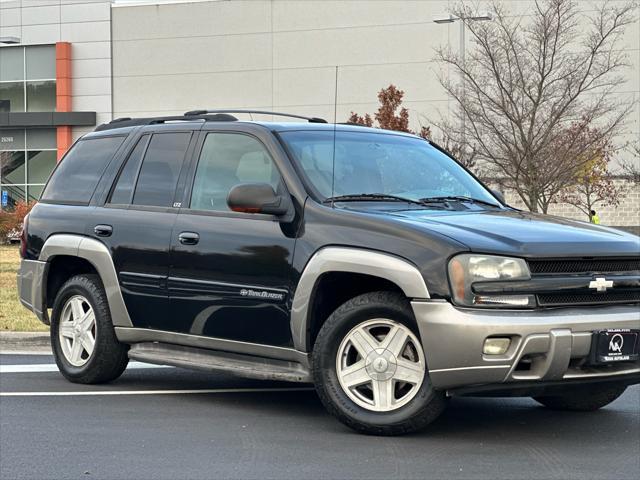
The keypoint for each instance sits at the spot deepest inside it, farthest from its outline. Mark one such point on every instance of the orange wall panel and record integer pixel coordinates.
(63, 93)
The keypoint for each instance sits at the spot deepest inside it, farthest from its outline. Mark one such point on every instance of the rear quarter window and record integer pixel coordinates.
(77, 176)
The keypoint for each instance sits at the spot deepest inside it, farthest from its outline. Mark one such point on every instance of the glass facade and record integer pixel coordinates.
(27, 157)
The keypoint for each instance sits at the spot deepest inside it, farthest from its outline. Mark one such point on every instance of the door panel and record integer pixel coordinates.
(232, 281)
(137, 220)
(141, 260)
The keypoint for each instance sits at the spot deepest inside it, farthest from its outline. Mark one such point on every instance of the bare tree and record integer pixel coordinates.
(529, 79)
(594, 184)
(631, 167)
(465, 154)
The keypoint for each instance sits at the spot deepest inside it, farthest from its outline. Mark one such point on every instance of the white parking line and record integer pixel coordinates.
(43, 351)
(153, 392)
(52, 367)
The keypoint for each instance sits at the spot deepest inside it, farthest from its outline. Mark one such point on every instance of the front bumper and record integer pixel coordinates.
(553, 345)
(30, 290)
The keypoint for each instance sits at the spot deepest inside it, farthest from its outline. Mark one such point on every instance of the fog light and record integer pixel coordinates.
(496, 346)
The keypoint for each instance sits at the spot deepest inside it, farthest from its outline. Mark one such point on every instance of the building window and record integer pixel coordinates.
(28, 79)
(27, 157)
(12, 97)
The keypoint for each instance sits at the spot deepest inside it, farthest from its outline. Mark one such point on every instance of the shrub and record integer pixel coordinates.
(11, 221)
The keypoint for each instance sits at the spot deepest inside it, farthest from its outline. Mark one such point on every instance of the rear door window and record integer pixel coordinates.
(77, 176)
(160, 169)
(123, 189)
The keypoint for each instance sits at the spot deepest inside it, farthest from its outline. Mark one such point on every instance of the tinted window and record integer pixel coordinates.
(228, 160)
(78, 174)
(160, 169)
(123, 191)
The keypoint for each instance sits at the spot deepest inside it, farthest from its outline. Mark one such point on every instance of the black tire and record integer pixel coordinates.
(421, 410)
(582, 399)
(109, 358)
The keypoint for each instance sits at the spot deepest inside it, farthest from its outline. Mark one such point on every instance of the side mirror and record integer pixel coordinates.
(257, 198)
(499, 196)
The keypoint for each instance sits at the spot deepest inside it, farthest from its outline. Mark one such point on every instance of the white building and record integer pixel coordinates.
(147, 58)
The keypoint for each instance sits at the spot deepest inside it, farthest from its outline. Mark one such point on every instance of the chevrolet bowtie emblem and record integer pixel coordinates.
(601, 284)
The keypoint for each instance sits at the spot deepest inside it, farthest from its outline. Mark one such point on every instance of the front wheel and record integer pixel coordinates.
(582, 399)
(369, 367)
(83, 339)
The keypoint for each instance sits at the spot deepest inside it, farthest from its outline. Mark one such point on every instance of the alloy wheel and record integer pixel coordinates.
(380, 365)
(77, 330)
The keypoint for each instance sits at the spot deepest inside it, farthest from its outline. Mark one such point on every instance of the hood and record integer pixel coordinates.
(524, 234)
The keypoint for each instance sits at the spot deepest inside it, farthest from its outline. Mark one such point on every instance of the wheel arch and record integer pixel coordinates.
(59, 269)
(85, 251)
(379, 268)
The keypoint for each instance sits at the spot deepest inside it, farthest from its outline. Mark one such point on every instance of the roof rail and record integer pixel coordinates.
(354, 124)
(258, 112)
(133, 122)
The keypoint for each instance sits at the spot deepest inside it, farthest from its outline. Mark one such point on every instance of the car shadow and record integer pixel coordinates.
(466, 417)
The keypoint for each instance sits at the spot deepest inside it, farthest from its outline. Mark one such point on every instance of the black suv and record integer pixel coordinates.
(365, 261)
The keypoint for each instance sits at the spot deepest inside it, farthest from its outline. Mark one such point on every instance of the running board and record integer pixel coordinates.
(216, 361)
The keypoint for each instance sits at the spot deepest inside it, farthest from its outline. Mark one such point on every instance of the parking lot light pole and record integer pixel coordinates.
(449, 18)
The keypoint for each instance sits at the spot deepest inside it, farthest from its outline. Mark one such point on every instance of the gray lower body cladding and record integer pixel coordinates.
(30, 282)
(552, 342)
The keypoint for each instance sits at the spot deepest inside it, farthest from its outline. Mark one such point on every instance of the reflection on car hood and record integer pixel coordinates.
(523, 233)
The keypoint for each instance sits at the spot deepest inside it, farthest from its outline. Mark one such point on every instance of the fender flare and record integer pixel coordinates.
(98, 255)
(354, 260)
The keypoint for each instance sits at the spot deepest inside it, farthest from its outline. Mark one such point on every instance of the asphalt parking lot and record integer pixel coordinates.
(168, 423)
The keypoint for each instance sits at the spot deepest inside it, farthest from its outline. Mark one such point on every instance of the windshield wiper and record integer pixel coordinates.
(459, 198)
(356, 197)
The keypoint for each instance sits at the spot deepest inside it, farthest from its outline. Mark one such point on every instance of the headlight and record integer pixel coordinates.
(468, 268)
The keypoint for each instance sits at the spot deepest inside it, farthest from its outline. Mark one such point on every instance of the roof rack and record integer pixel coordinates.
(133, 122)
(258, 112)
(204, 115)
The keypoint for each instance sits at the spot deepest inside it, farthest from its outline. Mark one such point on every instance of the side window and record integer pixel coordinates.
(123, 190)
(78, 174)
(160, 169)
(227, 160)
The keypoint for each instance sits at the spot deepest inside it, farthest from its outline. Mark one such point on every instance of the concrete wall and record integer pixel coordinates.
(275, 54)
(84, 23)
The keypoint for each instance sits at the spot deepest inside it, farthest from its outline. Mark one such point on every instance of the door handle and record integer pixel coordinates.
(103, 230)
(189, 238)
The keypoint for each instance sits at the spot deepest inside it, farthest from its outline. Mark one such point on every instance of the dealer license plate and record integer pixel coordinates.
(616, 345)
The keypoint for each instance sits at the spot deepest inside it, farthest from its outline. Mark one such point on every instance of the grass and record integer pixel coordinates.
(13, 316)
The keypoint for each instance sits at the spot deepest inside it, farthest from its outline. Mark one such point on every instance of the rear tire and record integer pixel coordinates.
(582, 399)
(392, 393)
(83, 339)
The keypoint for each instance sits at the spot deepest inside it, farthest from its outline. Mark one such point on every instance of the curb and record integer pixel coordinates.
(16, 340)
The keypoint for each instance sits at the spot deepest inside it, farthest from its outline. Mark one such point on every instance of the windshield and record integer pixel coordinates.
(378, 163)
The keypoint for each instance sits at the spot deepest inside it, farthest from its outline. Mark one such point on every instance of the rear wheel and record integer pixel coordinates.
(370, 370)
(582, 399)
(82, 335)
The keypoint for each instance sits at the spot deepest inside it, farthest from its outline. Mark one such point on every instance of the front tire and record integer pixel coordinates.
(369, 368)
(83, 339)
(582, 399)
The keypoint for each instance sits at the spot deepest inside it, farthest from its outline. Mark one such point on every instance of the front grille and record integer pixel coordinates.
(556, 299)
(587, 266)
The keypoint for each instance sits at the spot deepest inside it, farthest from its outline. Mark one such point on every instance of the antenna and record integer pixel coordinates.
(335, 120)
